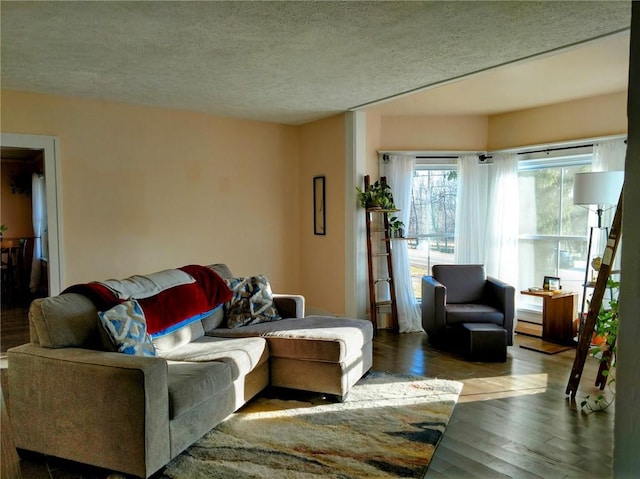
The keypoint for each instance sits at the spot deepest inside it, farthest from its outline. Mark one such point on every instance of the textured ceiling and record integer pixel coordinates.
(288, 62)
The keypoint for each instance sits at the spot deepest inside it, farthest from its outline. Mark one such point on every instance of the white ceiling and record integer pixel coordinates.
(294, 62)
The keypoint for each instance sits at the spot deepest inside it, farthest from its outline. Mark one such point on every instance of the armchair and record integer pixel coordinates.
(463, 294)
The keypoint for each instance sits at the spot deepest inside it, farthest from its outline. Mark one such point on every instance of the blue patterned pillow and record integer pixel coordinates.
(126, 326)
(251, 302)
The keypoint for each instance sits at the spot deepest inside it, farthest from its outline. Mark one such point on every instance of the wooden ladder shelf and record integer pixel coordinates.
(586, 332)
(377, 223)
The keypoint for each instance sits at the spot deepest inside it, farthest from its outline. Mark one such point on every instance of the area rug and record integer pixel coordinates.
(389, 426)
(545, 347)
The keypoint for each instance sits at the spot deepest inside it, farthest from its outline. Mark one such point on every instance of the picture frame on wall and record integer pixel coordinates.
(319, 210)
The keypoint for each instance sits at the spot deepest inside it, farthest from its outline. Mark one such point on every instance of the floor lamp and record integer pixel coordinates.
(599, 189)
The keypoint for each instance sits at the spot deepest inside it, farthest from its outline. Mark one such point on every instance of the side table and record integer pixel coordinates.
(559, 309)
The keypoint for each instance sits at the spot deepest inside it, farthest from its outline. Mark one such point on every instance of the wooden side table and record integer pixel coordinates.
(559, 309)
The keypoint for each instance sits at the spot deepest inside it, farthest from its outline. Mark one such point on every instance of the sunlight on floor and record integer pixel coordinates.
(483, 389)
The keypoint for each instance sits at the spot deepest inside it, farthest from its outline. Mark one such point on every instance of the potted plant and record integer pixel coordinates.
(376, 195)
(604, 348)
(396, 227)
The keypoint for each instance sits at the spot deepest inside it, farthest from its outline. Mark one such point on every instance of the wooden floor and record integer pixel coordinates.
(513, 419)
(14, 330)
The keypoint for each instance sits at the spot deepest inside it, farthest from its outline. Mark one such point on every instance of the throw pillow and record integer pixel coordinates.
(251, 302)
(127, 328)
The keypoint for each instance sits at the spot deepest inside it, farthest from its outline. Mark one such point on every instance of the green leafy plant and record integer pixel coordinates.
(396, 227)
(376, 195)
(607, 329)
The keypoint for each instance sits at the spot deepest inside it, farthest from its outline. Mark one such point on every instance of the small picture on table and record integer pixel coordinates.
(551, 283)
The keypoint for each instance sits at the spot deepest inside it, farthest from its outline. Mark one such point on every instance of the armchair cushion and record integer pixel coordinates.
(473, 313)
(464, 282)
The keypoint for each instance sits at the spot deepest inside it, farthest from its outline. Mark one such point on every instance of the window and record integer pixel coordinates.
(553, 231)
(432, 217)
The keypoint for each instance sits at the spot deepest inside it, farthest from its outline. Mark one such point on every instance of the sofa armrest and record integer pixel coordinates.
(289, 305)
(106, 409)
(502, 295)
(434, 296)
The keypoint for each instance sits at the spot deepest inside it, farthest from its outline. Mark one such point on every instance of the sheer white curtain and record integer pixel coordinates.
(608, 156)
(398, 169)
(38, 200)
(502, 225)
(471, 210)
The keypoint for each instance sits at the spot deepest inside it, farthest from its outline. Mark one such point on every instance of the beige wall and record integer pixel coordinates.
(149, 188)
(322, 258)
(581, 119)
(374, 124)
(433, 133)
(588, 118)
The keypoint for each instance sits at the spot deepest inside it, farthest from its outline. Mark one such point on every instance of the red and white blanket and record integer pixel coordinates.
(167, 305)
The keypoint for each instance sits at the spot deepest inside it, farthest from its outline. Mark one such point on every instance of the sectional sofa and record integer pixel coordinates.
(81, 391)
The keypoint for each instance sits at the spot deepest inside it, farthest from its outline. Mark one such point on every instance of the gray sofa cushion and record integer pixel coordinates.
(241, 354)
(214, 320)
(464, 282)
(67, 320)
(184, 335)
(145, 286)
(222, 269)
(313, 338)
(191, 384)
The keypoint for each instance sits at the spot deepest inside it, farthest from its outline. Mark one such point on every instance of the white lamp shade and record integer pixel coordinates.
(597, 188)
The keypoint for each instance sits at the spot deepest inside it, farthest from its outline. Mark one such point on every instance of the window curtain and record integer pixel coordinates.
(608, 156)
(502, 225)
(398, 170)
(471, 210)
(38, 200)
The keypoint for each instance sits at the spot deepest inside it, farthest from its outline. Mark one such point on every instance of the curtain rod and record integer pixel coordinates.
(484, 157)
(385, 157)
(444, 154)
(522, 150)
(558, 145)
(547, 150)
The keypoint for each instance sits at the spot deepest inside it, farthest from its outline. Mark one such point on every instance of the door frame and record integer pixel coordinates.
(50, 146)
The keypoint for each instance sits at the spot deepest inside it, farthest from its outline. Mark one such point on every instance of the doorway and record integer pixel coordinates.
(23, 155)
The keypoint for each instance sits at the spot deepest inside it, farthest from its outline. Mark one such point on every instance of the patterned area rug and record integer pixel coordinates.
(389, 426)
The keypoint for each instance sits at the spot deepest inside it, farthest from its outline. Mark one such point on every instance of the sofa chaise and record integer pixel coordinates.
(74, 395)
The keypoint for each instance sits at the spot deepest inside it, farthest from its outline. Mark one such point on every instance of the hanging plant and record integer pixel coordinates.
(377, 195)
(21, 184)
